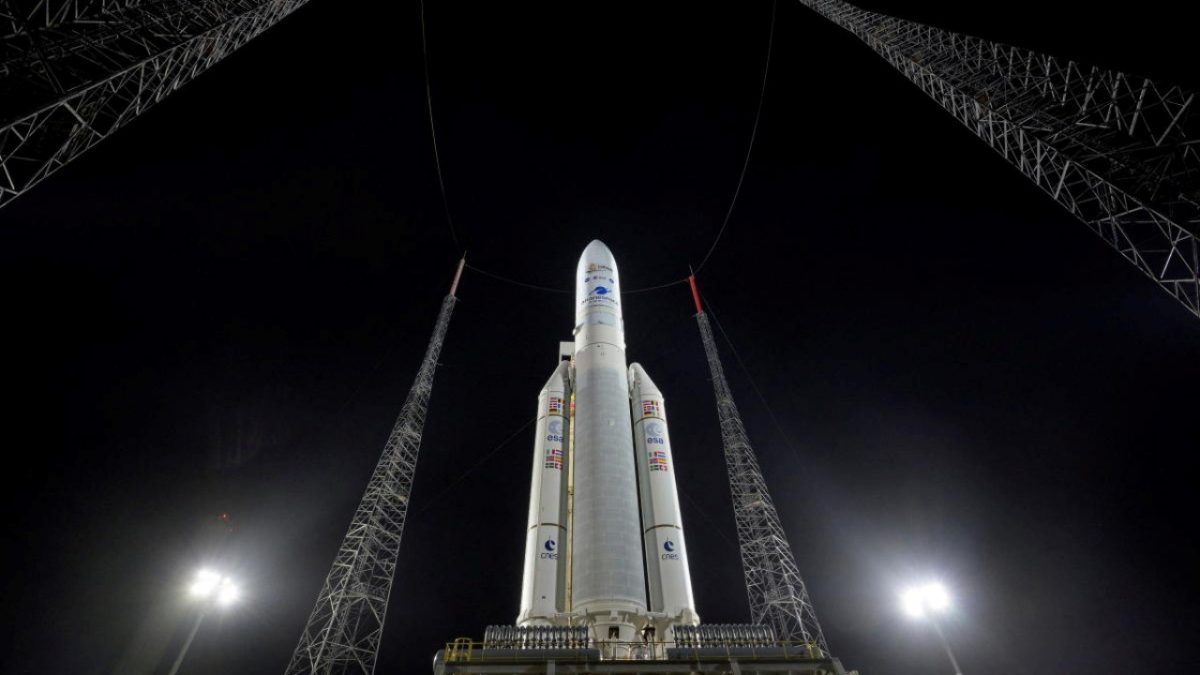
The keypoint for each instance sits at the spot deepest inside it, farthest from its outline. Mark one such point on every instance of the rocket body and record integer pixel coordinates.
(611, 514)
(606, 549)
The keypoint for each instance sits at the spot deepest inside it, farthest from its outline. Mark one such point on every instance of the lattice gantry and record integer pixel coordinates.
(74, 71)
(777, 595)
(1121, 153)
(344, 630)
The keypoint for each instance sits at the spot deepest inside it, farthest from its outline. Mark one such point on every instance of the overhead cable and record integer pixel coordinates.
(437, 159)
(762, 95)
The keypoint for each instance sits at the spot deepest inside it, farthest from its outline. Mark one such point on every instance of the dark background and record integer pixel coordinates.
(220, 310)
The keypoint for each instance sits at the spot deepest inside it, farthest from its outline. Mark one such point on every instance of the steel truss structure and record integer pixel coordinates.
(1121, 153)
(344, 630)
(74, 71)
(777, 595)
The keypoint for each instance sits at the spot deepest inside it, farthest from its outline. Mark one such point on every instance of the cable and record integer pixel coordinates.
(753, 385)
(476, 465)
(548, 289)
(437, 158)
(655, 288)
(716, 528)
(514, 281)
(762, 95)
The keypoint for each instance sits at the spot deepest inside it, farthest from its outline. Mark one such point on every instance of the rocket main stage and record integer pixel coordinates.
(604, 547)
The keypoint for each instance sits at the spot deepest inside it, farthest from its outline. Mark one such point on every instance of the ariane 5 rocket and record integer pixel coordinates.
(604, 546)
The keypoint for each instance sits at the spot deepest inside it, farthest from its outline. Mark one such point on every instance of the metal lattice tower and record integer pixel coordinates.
(74, 71)
(343, 632)
(776, 592)
(1121, 153)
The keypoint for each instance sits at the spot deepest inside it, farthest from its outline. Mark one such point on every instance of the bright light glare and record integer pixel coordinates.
(206, 582)
(936, 597)
(228, 594)
(209, 585)
(911, 600)
(919, 600)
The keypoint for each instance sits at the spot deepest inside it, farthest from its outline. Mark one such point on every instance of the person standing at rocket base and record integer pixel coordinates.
(604, 512)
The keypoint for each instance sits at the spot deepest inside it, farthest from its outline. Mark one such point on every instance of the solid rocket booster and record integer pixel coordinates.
(607, 574)
(667, 568)
(544, 583)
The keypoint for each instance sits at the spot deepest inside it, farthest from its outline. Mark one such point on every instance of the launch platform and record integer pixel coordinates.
(468, 657)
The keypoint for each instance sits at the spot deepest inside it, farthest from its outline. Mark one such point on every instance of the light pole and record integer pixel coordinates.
(926, 602)
(210, 588)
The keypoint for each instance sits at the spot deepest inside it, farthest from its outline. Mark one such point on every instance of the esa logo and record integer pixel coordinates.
(555, 429)
(550, 553)
(654, 434)
(669, 547)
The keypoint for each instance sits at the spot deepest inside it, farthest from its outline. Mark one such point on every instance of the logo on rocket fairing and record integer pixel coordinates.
(669, 547)
(554, 439)
(655, 436)
(600, 290)
(550, 553)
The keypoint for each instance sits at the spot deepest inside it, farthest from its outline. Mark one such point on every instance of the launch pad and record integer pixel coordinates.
(732, 649)
(467, 657)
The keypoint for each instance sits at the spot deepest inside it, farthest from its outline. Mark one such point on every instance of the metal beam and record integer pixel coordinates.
(74, 72)
(1121, 153)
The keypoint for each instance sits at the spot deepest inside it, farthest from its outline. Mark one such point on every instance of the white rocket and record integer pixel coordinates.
(604, 518)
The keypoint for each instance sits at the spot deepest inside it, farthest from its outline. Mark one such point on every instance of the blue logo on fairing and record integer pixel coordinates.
(600, 290)
(669, 547)
(550, 545)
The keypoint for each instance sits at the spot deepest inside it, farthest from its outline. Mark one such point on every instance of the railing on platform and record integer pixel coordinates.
(465, 649)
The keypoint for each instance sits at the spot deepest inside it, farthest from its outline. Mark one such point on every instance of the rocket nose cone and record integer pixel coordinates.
(597, 251)
(596, 256)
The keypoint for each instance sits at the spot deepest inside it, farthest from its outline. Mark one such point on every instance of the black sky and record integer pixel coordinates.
(220, 310)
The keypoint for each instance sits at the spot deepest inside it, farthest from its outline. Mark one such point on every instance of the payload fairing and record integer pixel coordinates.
(604, 546)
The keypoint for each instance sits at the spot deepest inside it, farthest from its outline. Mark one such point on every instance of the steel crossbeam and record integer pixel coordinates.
(72, 71)
(1121, 153)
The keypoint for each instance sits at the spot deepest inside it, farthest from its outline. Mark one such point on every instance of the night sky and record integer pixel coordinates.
(221, 309)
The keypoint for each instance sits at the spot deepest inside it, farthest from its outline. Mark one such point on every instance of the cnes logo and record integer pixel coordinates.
(669, 547)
